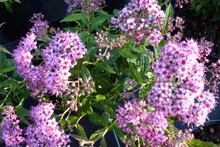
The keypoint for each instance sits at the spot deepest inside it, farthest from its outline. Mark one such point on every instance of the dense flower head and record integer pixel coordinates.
(56, 58)
(140, 19)
(134, 118)
(11, 132)
(85, 5)
(180, 83)
(44, 130)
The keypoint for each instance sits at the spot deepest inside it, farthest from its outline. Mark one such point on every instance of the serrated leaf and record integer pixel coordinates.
(18, 1)
(118, 87)
(25, 121)
(105, 67)
(25, 93)
(99, 20)
(124, 52)
(3, 60)
(97, 134)
(168, 14)
(21, 112)
(8, 6)
(118, 130)
(95, 118)
(103, 142)
(83, 35)
(100, 97)
(105, 122)
(81, 131)
(135, 75)
(77, 137)
(199, 143)
(84, 73)
(73, 17)
(116, 12)
(13, 85)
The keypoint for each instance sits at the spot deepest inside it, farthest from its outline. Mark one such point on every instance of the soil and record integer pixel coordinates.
(197, 28)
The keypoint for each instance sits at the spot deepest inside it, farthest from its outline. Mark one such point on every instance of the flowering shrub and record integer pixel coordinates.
(43, 131)
(122, 71)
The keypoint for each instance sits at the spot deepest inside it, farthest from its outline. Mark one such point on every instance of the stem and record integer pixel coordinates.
(62, 115)
(19, 82)
(5, 98)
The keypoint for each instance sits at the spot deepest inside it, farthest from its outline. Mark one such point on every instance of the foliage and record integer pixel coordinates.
(8, 4)
(207, 9)
(115, 70)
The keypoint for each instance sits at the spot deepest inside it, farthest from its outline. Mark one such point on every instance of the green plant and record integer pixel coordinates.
(8, 4)
(207, 9)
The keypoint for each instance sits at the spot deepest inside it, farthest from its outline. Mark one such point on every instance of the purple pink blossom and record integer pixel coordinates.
(11, 132)
(43, 131)
(141, 19)
(85, 5)
(180, 83)
(134, 118)
(56, 58)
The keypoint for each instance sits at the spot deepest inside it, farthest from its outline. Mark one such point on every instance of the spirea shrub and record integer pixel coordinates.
(41, 131)
(127, 72)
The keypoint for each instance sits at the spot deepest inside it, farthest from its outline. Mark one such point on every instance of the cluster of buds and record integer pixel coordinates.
(104, 42)
(85, 5)
(141, 19)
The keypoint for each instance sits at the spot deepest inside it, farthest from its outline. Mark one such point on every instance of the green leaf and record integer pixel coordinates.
(118, 130)
(86, 109)
(21, 112)
(8, 6)
(25, 93)
(18, 1)
(73, 17)
(97, 134)
(103, 142)
(3, 60)
(105, 67)
(124, 52)
(99, 20)
(81, 131)
(168, 14)
(118, 87)
(84, 73)
(13, 86)
(113, 58)
(100, 97)
(1, 24)
(83, 35)
(116, 12)
(77, 137)
(105, 122)
(95, 118)
(199, 143)
(135, 75)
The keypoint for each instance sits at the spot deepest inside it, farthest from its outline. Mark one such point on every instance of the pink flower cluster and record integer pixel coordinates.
(59, 56)
(137, 120)
(141, 19)
(103, 41)
(43, 131)
(87, 6)
(11, 132)
(179, 84)
(40, 27)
